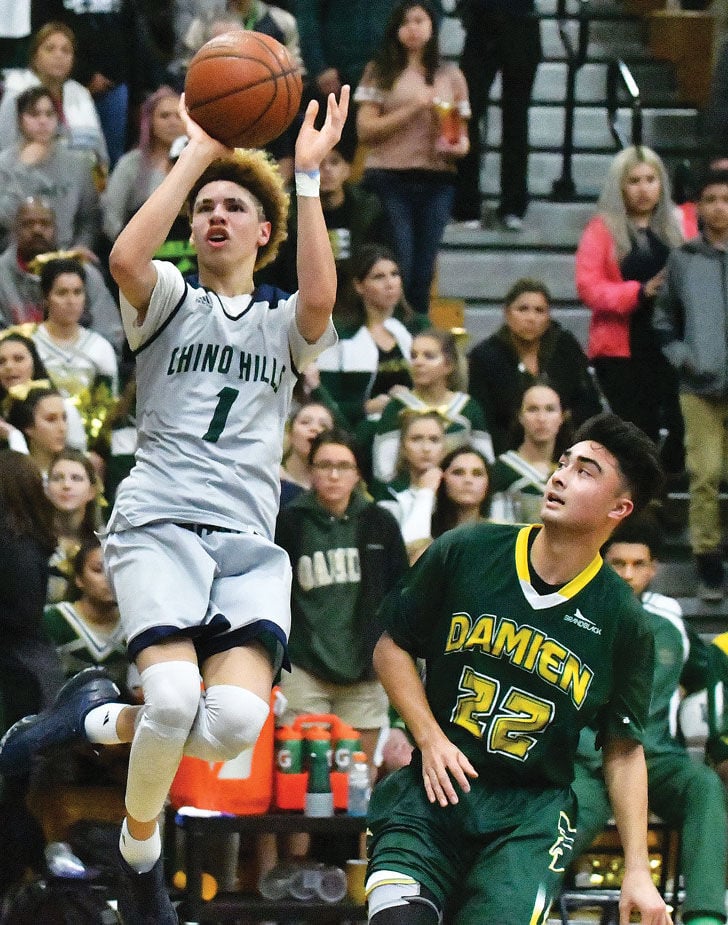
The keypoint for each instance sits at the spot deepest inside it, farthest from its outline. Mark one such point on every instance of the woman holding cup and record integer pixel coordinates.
(412, 118)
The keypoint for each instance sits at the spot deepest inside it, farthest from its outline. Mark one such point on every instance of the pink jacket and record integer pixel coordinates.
(600, 286)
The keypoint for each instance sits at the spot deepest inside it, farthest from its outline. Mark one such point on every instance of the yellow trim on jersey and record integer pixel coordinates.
(722, 642)
(571, 588)
(537, 916)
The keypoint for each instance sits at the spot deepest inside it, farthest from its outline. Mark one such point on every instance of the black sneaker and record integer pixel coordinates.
(143, 898)
(60, 723)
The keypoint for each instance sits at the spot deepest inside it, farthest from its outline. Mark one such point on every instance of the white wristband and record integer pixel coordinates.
(308, 184)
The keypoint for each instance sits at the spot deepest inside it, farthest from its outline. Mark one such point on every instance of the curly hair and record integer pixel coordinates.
(257, 172)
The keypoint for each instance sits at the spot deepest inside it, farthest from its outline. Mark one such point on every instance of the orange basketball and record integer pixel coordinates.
(243, 88)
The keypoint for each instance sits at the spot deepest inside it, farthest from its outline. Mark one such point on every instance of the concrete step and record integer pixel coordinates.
(665, 129)
(588, 171)
(621, 37)
(543, 219)
(471, 275)
(655, 80)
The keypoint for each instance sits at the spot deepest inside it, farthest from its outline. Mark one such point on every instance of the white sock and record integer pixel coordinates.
(140, 855)
(100, 724)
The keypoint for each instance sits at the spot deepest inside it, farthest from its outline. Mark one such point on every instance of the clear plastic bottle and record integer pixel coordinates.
(275, 884)
(62, 862)
(360, 787)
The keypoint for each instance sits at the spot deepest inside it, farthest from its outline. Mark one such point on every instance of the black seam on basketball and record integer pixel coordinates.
(272, 78)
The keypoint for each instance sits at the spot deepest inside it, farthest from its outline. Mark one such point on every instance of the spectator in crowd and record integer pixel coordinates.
(52, 53)
(410, 494)
(464, 493)
(38, 165)
(353, 216)
(346, 553)
(217, 16)
(411, 149)
(21, 298)
(530, 346)
(717, 706)
(213, 17)
(691, 324)
(110, 58)
(703, 715)
(30, 672)
(73, 490)
(684, 793)
(21, 369)
(337, 39)
(141, 170)
(81, 363)
(620, 265)
(121, 439)
(500, 36)
(520, 475)
(84, 626)
(355, 376)
(307, 422)
(684, 183)
(41, 419)
(437, 378)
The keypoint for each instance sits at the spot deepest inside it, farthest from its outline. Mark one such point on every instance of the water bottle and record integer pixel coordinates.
(319, 798)
(347, 743)
(275, 884)
(316, 880)
(62, 862)
(289, 750)
(304, 881)
(359, 785)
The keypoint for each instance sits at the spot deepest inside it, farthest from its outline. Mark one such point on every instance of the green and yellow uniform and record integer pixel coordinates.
(514, 670)
(81, 645)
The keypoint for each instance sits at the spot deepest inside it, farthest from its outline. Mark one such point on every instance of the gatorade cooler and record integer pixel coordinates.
(290, 789)
(242, 786)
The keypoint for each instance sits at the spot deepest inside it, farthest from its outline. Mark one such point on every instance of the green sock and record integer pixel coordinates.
(705, 920)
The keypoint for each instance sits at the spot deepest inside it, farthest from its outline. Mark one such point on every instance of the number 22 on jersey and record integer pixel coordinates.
(509, 724)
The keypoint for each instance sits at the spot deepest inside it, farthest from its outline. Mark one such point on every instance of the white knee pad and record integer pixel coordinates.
(230, 719)
(171, 698)
(171, 702)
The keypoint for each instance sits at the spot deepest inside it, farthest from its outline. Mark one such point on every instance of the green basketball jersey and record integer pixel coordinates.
(81, 645)
(513, 675)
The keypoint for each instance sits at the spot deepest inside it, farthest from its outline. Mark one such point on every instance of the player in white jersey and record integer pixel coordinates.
(202, 589)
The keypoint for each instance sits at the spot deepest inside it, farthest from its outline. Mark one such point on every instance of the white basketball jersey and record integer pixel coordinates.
(214, 383)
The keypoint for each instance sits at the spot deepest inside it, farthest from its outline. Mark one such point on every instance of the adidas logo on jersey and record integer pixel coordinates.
(204, 299)
(578, 619)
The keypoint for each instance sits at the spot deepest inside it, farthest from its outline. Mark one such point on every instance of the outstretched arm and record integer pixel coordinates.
(625, 774)
(441, 760)
(315, 261)
(130, 260)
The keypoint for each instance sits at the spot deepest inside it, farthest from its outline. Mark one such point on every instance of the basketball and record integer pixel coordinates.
(243, 88)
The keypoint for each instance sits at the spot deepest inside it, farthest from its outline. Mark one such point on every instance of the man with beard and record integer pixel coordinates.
(21, 300)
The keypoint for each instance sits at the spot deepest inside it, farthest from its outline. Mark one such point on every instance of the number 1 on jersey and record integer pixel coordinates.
(225, 399)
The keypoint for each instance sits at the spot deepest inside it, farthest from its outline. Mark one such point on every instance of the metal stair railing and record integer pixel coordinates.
(618, 74)
(563, 189)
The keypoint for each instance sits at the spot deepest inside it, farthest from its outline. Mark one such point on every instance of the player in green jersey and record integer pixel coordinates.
(684, 793)
(527, 637)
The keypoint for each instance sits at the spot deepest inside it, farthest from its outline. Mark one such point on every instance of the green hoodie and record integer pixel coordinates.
(342, 566)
